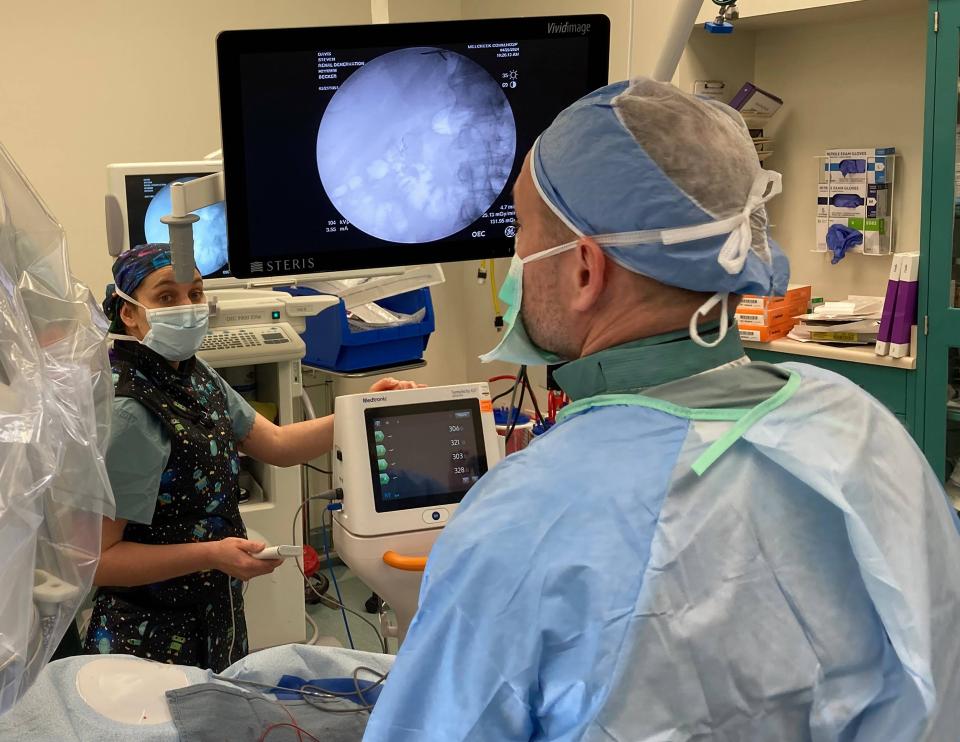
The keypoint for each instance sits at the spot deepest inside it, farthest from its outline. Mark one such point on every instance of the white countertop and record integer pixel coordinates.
(851, 354)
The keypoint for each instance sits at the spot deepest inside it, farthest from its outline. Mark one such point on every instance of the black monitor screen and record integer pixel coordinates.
(425, 455)
(395, 144)
(148, 199)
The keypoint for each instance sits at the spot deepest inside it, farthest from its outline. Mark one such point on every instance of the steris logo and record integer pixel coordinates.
(580, 28)
(293, 264)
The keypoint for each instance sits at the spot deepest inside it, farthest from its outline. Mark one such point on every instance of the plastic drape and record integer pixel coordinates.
(56, 393)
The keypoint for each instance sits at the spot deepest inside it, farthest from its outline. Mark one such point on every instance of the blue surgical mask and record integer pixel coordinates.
(176, 333)
(516, 346)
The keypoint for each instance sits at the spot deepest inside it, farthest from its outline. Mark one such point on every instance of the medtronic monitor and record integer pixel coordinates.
(405, 459)
(139, 194)
(384, 145)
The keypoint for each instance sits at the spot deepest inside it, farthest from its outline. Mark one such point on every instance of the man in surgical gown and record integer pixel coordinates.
(703, 547)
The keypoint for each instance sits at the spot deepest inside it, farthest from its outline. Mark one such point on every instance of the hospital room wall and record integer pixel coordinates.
(100, 81)
(879, 103)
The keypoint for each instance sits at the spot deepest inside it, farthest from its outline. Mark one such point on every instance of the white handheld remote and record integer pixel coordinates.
(279, 552)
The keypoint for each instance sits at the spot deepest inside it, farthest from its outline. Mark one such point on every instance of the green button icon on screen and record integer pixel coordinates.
(378, 436)
(382, 464)
(381, 451)
(384, 479)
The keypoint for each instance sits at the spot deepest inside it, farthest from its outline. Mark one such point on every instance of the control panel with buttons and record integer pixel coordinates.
(251, 344)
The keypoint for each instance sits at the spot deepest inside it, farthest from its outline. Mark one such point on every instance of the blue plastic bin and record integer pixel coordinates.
(332, 343)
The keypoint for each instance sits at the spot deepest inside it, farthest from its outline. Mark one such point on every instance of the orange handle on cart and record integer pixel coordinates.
(406, 563)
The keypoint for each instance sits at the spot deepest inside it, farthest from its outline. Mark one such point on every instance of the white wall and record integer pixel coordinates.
(412, 11)
(93, 82)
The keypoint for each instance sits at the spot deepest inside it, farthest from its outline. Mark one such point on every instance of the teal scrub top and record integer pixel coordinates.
(139, 449)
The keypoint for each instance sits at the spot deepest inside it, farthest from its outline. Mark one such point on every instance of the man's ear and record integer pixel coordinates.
(590, 276)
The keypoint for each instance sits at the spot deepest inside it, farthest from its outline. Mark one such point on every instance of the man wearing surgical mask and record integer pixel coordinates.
(174, 560)
(703, 547)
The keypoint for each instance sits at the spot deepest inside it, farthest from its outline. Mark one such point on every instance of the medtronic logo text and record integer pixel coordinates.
(580, 28)
(368, 400)
(293, 264)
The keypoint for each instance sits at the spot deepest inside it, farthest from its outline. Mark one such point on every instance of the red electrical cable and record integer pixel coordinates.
(280, 725)
(293, 723)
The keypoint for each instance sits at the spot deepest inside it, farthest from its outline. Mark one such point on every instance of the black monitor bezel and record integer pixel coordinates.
(427, 501)
(232, 44)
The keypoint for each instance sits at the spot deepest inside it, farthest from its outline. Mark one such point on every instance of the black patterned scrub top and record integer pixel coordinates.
(173, 463)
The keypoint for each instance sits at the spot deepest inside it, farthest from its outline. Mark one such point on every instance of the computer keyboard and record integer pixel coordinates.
(223, 339)
(251, 344)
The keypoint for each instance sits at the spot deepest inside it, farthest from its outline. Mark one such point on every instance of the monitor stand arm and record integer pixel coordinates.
(185, 198)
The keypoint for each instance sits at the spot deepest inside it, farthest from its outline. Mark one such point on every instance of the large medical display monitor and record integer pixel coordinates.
(386, 145)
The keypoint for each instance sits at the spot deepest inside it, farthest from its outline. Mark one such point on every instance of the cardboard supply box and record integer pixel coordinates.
(871, 165)
(796, 294)
(764, 334)
(755, 104)
(767, 316)
(876, 236)
(845, 200)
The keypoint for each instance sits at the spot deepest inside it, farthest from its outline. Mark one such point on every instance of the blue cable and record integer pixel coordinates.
(326, 553)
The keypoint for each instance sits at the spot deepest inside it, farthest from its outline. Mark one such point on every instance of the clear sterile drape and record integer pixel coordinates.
(56, 394)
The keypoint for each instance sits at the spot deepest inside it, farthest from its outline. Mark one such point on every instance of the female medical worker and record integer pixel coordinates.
(173, 562)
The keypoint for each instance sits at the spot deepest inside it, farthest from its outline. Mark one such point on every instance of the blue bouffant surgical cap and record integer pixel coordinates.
(129, 270)
(669, 184)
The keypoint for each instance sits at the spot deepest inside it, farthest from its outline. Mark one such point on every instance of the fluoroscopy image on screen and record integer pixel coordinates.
(386, 145)
(209, 234)
(416, 145)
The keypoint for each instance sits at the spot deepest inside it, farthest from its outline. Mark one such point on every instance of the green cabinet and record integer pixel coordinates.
(940, 359)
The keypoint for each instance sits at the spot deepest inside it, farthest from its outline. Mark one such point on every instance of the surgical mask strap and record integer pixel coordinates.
(550, 253)
(703, 311)
(127, 297)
